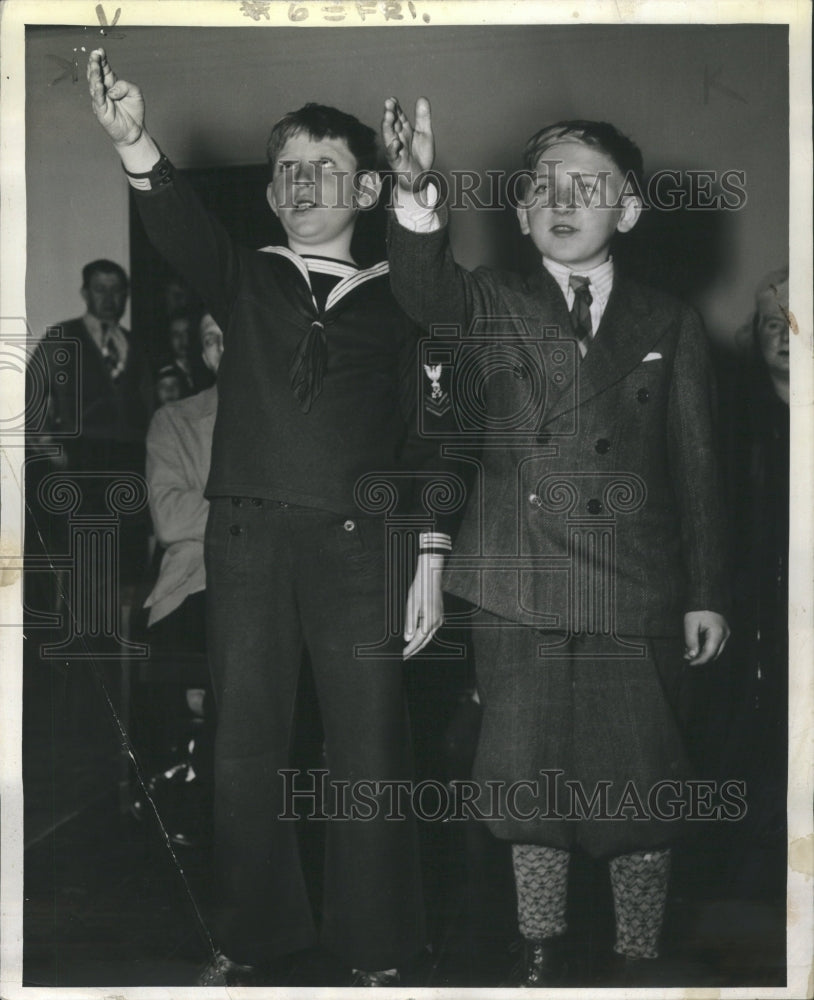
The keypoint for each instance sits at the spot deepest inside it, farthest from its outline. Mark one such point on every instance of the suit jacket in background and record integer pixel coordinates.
(110, 411)
(100, 424)
(598, 505)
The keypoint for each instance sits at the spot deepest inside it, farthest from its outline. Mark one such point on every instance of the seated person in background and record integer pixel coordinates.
(181, 343)
(178, 298)
(179, 444)
(182, 315)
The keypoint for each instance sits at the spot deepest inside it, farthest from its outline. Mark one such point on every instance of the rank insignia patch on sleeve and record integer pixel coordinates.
(437, 402)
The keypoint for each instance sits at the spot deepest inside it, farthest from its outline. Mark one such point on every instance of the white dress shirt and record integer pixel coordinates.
(111, 332)
(418, 213)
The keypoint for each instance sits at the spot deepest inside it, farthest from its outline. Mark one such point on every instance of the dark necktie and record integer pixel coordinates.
(109, 349)
(581, 311)
(307, 367)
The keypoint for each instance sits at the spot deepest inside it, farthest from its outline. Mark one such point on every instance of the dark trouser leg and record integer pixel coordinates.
(178, 661)
(639, 882)
(255, 645)
(373, 910)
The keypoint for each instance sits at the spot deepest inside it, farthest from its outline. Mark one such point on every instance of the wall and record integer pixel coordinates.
(212, 95)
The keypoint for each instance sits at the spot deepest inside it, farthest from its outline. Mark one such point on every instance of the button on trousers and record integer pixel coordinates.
(282, 579)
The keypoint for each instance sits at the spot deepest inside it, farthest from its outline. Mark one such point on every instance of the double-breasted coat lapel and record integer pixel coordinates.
(627, 331)
(619, 455)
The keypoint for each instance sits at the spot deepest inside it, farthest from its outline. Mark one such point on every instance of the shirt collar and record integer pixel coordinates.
(601, 277)
(94, 325)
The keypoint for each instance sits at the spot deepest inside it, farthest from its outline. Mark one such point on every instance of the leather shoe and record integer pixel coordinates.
(541, 963)
(222, 971)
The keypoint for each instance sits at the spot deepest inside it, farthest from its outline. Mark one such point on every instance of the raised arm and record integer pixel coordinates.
(431, 289)
(410, 148)
(192, 241)
(119, 109)
(428, 284)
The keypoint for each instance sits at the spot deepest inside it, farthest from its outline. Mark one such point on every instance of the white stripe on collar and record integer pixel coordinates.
(352, 281)
(347, 284)
(295, 259)
(325, 265)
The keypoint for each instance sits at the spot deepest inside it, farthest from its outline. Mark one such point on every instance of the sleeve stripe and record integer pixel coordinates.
(439, 540)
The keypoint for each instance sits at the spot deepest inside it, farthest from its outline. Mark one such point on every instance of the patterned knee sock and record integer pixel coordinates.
(541, 877)
(639, 883)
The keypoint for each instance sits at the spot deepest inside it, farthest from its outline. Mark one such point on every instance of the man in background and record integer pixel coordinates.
(110, 381)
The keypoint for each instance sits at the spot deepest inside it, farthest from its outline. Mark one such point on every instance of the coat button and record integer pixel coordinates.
(235, 529)
(643, 395)
(237, 501)
(534, 499)
(602, 446)
(349, 525)
(594, 506)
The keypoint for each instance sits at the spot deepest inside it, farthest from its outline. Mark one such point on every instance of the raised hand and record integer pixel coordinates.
(117, 104)
(410, 149)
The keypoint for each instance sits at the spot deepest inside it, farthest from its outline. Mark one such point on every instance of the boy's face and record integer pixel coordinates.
(167, 389)
(313, 194)
(572, 207)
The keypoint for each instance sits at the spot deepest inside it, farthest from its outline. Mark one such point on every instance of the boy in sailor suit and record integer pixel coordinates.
(313, 394)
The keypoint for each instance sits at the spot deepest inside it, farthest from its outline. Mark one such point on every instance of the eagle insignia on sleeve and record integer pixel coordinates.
(437, 403)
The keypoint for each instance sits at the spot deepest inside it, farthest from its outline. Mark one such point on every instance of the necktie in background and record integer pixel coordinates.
(110, 351)
(581, 311)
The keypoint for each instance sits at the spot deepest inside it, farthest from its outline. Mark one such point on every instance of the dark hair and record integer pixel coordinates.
(319, 121)
(103, 266)
(606, 137)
